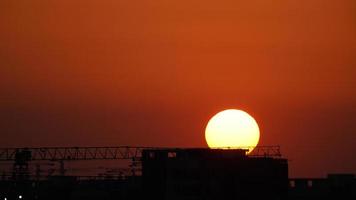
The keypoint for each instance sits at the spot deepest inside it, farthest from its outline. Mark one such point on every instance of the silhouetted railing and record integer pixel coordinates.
(266, 151)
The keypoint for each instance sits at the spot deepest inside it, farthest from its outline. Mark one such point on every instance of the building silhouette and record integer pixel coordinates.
(167, 174)
(212, 174)
(335, 186)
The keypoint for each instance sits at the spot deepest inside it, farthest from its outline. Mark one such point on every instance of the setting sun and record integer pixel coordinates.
(232, 129)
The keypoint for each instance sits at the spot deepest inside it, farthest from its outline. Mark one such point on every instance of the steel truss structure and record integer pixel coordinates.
(100, 153)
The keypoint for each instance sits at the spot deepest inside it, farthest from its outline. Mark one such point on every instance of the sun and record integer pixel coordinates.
(232, 129)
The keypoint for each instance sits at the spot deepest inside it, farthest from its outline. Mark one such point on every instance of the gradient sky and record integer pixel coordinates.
(152, 73)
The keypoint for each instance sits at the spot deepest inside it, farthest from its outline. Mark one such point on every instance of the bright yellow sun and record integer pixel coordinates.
(232, 129)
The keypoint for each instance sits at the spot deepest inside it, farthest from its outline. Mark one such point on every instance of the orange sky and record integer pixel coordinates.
(152, 73)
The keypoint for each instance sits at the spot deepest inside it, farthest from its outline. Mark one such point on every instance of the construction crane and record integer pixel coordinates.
(21, 157)
(69, 153)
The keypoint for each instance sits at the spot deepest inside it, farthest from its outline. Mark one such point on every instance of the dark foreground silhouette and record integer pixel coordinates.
(169, 174)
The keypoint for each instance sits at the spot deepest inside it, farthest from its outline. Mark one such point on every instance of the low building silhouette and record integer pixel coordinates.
(335, 186)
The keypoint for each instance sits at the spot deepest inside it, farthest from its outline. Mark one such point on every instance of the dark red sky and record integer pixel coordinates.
(152, 73)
